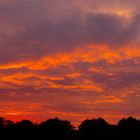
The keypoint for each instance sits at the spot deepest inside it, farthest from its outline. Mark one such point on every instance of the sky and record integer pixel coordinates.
(72, 59)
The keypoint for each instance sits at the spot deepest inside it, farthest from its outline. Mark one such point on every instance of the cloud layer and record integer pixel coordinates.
(72, 59)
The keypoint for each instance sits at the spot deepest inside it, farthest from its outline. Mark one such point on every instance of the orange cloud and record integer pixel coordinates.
(110, 99)
(89, 53)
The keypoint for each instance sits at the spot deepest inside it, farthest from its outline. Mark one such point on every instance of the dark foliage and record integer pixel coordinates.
(56, 129)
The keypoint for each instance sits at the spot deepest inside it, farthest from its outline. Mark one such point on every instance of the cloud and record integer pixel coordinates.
(72, 58)
(39, 36)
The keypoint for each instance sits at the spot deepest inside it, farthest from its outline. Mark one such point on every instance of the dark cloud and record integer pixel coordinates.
(36, 36)
(96, 28)
(117, 80)
(111, 29)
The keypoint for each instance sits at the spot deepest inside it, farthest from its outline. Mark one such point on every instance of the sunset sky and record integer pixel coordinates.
(72, 59)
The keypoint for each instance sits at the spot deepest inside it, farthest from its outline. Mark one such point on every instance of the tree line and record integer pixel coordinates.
(56, 129)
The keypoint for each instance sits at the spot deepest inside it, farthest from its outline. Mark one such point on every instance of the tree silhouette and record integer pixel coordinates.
(95, 128)
(56, 129)
(2, 122)
(24, 124)
(23, 130)
(129, 128)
